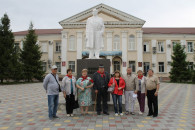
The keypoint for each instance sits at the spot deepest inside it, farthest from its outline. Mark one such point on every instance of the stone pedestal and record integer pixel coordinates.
(92, 66)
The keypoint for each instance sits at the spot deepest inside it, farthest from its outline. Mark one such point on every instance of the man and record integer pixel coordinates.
(130, 89)
(152, 86)
(51, 85)
(101, 80)
(94, 35)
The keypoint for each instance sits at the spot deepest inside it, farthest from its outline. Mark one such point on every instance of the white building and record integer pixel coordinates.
(126, 42)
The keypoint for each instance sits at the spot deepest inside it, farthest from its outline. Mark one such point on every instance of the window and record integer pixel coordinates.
(146, 67)
(44, 66)
(160, 46)
(146, 47)
(174, 43)
(58, 47)
(161, 66)
(58, 64)
(131, 42)
(132, 65)
(17, 47)
(44, 47)
(72, 43)
(191, 66)
(190, 46)
(116, 65)
(72, 65)
(116, 42)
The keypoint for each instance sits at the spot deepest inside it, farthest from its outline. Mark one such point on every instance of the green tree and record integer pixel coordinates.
(31, 57)
(7, 55)
(179, 71)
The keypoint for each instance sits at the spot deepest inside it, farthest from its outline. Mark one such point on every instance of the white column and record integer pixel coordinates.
(109, 40)
(139, 48)
(64, 51)
(50, 53)
(168, 54)
(109, 46)
(183, 43)
(124, 51)
(79, 44)
(21, 45)
(154, 56)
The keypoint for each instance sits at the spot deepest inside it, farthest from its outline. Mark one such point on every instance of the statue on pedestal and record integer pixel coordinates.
(94, 35)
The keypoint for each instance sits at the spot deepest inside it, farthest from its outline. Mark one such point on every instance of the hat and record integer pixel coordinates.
(101, 66)
(54, 67)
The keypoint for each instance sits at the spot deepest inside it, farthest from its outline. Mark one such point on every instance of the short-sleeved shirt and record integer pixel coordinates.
(152, 82)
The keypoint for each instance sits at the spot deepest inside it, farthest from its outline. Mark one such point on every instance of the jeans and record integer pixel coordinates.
(119, 98)
(53, 105)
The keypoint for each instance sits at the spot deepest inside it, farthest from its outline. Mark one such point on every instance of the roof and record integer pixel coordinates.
(40, 32)
(125, 18)
(168, 30)
(145, 31)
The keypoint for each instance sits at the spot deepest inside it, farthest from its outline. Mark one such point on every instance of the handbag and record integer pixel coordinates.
(76, 102)
(57, 83)
(111, 88)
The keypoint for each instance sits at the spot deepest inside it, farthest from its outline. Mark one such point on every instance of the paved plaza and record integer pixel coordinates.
(24, 107)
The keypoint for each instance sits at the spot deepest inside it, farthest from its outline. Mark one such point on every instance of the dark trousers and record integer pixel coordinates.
(141, 100)
(70, 101)
(119, 98)
(152, 102)
(102, 96)
(53, 105)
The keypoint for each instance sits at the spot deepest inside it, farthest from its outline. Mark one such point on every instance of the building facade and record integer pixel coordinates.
(126, 43)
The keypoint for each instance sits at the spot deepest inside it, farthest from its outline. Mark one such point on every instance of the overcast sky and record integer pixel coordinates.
(45, 14)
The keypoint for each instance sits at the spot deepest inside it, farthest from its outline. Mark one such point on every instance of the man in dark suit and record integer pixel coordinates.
(101, 80)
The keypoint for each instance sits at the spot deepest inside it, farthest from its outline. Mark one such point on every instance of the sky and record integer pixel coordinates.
(46, 14)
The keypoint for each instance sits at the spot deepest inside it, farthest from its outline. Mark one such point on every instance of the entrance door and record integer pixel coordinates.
(146, 67)
(117, 65)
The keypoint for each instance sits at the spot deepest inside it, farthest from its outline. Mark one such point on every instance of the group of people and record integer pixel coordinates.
(132, 86)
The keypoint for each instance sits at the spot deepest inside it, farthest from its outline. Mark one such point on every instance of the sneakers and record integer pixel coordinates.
(55, 117)
(127, 113)
(71, 114)
(140, 113)
(68, 115)
(121, 114)
(132, 113)
(116, 114)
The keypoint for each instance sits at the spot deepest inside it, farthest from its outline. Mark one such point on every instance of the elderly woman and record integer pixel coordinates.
(84, 85)
(141, 90)
(119, 83)
(69, 90)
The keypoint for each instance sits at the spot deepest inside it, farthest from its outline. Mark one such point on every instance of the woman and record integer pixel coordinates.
(141, 90)
(84, 85)
(69, 90)
(119, 84)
